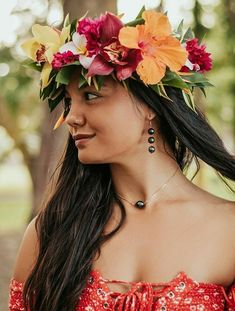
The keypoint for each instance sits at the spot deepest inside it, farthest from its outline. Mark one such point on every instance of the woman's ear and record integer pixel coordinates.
(151, 114)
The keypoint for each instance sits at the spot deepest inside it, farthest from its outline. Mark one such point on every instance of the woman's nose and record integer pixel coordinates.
(74, 121)
(74, 118)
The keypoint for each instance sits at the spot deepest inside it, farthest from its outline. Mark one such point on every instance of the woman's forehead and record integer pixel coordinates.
(108, 83)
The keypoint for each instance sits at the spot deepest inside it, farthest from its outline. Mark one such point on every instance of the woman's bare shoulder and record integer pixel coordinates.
(218, 211)
(27, 253)
(222, 214)
(228, 208)
(223, 208)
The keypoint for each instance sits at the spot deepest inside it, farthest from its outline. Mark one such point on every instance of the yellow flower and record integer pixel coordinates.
(158, 47)
(43, 45)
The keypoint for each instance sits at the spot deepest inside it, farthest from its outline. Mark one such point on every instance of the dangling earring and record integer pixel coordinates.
(151, 139)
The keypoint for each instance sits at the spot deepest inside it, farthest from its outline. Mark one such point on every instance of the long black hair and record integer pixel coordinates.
(70, 226)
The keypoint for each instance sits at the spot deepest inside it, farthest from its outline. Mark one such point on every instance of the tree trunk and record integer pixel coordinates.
(42, 166)
(77, 9)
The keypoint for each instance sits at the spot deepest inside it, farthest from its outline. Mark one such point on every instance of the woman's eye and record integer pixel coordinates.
(89, 96)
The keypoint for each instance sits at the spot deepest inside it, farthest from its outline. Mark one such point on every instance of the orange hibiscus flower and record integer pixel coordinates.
(158, 47)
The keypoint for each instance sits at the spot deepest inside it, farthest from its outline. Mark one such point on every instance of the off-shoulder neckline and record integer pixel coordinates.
(182, 275)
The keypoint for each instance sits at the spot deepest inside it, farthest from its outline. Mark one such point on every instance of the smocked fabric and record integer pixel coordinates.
(181, 294)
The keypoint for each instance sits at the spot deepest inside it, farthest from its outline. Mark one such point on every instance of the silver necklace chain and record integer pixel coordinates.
(147, 201)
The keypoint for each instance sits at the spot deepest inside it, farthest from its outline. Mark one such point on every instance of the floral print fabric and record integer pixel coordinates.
(181, 294)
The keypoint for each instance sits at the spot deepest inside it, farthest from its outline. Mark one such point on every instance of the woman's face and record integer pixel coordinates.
(118, 125)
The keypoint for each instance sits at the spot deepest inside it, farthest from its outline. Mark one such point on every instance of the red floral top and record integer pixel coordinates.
(182, 294)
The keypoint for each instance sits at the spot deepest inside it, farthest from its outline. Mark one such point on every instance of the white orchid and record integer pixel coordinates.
(78, 47)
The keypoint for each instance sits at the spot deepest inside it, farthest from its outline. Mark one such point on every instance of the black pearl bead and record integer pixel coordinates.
(151, 131)
(139, 204)
(151, 140)
(151, 149)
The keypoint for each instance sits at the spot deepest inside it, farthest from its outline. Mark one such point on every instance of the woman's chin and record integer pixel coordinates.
(86, 159)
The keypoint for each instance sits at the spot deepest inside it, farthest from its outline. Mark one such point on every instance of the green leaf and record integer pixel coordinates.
(55, 101)
(73, 26)
(179, 31)
(76, 62)
(189, 100)
(57, 92)
(174, 80)
(135, 22)
(66, 21)
(82, 81)
(197, 79)
(84, 72)
(201, 39)
(100, 81)
(48, 90)
(156, 88)
(125, 84)
(180, 27)
(140, 12)
(53, 73)
(114, 77)
(63, 76)
(203, 91)
(33, 65)
(189, 34)
(159, 91)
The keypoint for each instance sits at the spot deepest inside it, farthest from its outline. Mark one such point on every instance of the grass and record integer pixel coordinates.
(13, 214)
(15, 201)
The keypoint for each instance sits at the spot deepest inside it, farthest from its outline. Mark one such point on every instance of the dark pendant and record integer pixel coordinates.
(151, 139)
(140, 204)
(151, 149)
(151, 131)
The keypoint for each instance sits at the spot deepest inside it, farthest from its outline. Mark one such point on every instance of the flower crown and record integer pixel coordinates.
(145, 49)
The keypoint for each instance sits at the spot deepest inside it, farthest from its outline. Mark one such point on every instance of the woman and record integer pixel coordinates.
(124, 229)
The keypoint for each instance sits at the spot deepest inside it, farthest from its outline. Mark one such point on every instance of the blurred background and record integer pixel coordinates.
(29, 147)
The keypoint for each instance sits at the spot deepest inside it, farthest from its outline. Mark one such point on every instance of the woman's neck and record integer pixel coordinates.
(138, 177)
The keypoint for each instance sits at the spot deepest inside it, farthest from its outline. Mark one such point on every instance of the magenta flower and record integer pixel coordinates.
(125, 60)
(91, 28)
(199, 59)
(132, 60)
(61, 59)
(99, 32)
(118, 58)
(115, 52)
(99, 66)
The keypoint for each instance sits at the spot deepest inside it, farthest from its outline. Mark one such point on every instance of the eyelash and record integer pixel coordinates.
(67, 100)
(86, 93)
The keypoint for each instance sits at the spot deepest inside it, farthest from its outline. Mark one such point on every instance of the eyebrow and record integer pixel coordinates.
(86, 86)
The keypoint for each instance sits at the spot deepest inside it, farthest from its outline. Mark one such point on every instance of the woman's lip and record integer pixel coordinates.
(82, 141)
